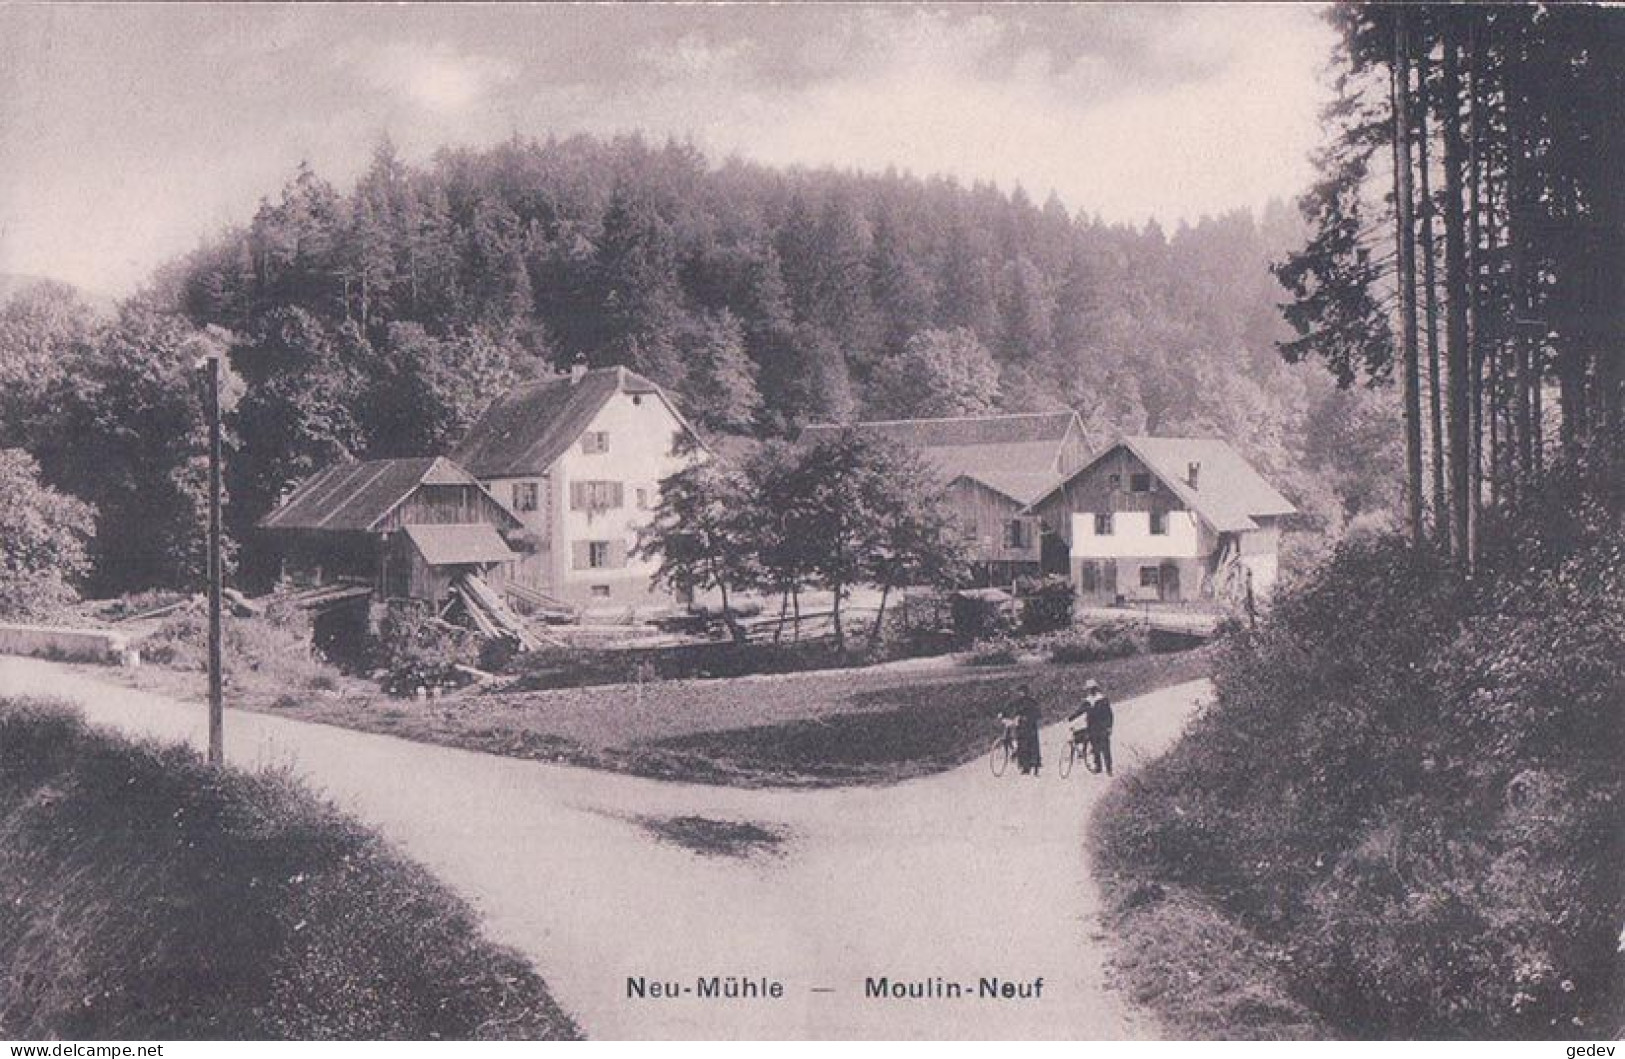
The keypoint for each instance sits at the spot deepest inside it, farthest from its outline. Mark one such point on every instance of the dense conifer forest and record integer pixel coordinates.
(376, 320)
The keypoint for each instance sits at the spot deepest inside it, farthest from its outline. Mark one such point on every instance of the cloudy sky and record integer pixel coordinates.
(129, 133)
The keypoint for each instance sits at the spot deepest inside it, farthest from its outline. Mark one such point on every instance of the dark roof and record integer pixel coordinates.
(355, 495)
(1017, 455)
(525, 430)
(453, 545)
(1229, 493)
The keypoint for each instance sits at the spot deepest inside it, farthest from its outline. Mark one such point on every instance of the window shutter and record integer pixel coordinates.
(617, 554)
(617, 496)
(578, 496)
(580, 554)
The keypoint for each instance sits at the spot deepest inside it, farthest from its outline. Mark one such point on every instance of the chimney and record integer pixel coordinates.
(578, 371)
(1192, 472)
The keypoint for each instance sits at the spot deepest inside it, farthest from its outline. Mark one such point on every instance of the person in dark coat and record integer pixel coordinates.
(1097, 715)
(1028, 714)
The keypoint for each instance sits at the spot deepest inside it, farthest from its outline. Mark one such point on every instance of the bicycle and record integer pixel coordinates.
(1077, 749)
(1003, 749)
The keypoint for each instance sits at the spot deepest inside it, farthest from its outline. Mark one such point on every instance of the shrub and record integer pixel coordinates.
(978, 617)
(999, 652)
(1047, 603)
(419, 650)
(1117, 639)
(1409, 782)
(261, 649)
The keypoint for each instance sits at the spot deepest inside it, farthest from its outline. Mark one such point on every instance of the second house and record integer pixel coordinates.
(579, 458)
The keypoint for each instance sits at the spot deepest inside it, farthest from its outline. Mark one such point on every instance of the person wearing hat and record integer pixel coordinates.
(1097, 718)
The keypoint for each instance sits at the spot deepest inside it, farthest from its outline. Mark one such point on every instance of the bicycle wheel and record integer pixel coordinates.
(1064, 763)
(999, 759)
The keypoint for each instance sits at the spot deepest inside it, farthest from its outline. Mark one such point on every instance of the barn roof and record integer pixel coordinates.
(1017, 455)
(355, 495)
(456, 545)
(1229, 493)
(525, 430)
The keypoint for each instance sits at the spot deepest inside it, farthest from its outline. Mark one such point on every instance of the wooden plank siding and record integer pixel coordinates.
(442, 505)
(985, 516)
(1094, 492)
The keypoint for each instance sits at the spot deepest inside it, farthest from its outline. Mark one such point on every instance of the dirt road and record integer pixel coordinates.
(938, 882)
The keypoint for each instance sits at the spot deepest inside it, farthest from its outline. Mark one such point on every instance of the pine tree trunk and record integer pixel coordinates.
(1430, 287)
(1405, 244)
(1475, 293)
(1521, 418)
(1457, 281)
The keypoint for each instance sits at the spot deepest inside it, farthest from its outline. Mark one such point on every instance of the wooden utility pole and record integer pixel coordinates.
(216, 684)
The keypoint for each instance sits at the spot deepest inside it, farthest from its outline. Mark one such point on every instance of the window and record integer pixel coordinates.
(600, 591)
(643, 499)
(1139, 483)
(1115, 481)
(1150, 577)
(1103, 523)
(595, 441)
(598, 555)
(524, 496)
(1159, 523)
(1017, 534)
(596, 496)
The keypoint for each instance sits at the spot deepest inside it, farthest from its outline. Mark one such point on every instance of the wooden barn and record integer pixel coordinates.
(994, 467)
(408, 528)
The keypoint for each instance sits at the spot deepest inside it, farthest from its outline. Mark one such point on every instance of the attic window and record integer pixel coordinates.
(595, 441)
(1139, 483)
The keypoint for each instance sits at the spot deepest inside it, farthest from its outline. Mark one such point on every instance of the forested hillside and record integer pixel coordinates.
(378, 320)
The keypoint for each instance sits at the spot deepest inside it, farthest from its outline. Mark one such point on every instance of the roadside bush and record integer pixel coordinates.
(1409, 783)
(1117, 639)
(263, 650)
(419, 650)
(1046, 603)
(997, 652)
(149, 896)
(977, 617)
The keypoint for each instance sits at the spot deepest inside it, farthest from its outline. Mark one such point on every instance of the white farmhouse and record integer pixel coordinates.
(1167, 519)
(579, 458)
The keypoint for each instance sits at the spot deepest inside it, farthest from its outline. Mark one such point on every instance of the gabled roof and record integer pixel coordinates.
(355, 495)
(1016, 455)
(525, 430)
(1229, 493)
(456, 545)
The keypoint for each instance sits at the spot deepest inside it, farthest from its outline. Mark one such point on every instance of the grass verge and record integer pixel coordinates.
(146, 896)
(827, 728)
(894, 732)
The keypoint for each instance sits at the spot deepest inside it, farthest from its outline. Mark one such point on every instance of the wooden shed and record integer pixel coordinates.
(408, 527)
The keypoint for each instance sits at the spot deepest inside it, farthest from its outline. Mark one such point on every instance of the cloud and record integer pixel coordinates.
(435, 77)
